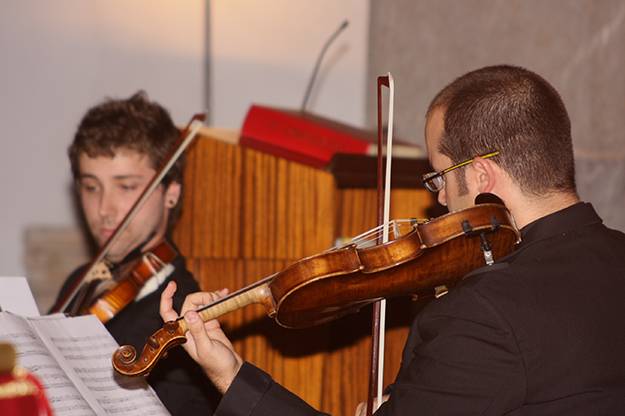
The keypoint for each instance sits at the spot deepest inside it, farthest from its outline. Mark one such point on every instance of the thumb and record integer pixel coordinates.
(196, 328)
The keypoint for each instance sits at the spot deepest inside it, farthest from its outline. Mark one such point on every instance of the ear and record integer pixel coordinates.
(485, 174)
(172, 194)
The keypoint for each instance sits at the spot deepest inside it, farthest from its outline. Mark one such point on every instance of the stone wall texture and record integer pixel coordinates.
(579, 46)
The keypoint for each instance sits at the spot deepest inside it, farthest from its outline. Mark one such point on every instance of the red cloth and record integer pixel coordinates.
(21, 393)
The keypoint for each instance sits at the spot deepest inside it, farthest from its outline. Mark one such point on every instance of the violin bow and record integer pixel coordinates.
(376, 380)
(186, 137)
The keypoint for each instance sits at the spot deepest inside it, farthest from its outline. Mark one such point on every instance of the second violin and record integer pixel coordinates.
(151, 265)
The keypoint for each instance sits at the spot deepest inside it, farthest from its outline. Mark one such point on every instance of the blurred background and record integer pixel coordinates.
(59, 58)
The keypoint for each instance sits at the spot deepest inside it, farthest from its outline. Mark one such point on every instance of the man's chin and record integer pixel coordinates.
(116, 254)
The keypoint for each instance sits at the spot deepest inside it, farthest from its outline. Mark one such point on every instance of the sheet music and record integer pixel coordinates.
(86, 347)
(33, 355)
(72, 357)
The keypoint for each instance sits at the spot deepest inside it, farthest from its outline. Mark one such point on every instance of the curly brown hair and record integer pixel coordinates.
(135, 123)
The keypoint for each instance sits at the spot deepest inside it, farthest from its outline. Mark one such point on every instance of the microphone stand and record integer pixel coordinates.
(316, 69)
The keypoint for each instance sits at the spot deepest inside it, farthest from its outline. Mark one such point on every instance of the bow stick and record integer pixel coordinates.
(376, 380)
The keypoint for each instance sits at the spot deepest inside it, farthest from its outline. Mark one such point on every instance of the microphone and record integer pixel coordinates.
(336, 33)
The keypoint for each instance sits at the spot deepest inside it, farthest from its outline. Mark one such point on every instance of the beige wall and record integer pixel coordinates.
(264, 52)
(59, 58)
(576, 45)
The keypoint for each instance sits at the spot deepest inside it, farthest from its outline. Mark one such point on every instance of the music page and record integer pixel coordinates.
(72, 357)
(33, 355)
(86, 347)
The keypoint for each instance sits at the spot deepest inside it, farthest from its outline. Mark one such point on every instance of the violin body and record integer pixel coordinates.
(127, 287)
(435, 253)
(334, 283)
(105, 294)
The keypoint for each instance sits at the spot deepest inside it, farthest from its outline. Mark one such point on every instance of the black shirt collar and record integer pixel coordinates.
(577, 215)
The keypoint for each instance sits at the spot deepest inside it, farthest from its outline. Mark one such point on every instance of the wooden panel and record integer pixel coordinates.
(210, 223)
(284, 208)
(241, 203)
(356, 211)
(246, 215)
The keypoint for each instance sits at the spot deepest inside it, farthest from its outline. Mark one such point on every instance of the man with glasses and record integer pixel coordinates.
(540, 332)
(435, 181)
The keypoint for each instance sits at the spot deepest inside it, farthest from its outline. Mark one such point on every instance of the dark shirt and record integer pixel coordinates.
(539, 333)
(177, 380)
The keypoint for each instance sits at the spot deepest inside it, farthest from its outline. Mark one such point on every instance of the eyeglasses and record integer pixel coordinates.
(434, 181)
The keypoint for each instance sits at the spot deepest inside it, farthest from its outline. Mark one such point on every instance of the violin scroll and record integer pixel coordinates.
(126, 361)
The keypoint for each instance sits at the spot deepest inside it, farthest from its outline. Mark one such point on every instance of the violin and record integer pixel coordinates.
(150, 265)
(421, 256)
(81, 298)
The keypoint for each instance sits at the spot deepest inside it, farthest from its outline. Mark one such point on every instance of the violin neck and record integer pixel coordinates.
(256, 293)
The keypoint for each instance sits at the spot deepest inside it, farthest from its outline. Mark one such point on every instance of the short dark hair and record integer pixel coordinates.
(517, 112)
(135, 123)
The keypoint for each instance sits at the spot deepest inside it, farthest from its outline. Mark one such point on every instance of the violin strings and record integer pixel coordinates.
(371, 236)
